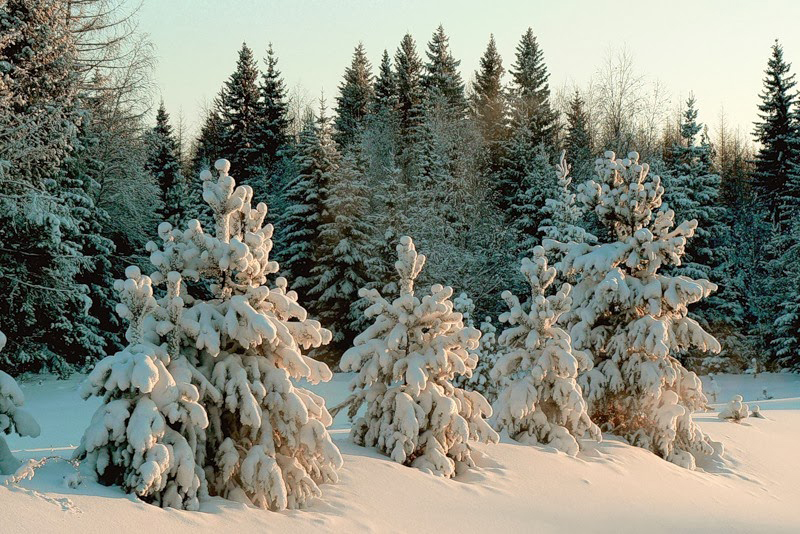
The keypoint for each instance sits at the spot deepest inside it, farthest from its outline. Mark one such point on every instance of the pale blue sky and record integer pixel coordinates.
(716, 48)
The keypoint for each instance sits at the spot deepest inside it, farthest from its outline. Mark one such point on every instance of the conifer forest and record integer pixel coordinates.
(426, 299)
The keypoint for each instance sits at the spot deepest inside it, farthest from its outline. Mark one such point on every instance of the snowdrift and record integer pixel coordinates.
(608, 487)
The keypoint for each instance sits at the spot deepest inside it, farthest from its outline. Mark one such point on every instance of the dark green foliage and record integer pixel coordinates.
(163, 165)
(355, 97)
(442, 80)
(530, 92)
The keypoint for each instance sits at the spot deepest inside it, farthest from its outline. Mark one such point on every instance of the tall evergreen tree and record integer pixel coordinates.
(342, 257)
(777, 133)
(692, 191)
(385, 87)
(441, 79)
(530, 92)
(273, 119)
(527, 210)
(240, 112)
(98, 274)
(578, 141)
(209, 141)
(316, 160)
(787, 320)
(355, 95)
(163, 165)
(408, 79)
(45, 210)
(488, 102)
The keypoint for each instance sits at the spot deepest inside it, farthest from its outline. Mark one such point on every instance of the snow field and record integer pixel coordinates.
(608, 487)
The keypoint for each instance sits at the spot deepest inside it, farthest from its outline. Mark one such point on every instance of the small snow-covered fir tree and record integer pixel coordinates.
(201, 401)
(713, 388)
(630, 317)
(13, 419)
(144, 437)
(562, 214)
(541, 401)
(405, 362)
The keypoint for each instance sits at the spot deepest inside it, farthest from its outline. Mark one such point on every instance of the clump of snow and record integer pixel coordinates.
(405, 362)
(735, 410)
(201, 402)
(13, 419)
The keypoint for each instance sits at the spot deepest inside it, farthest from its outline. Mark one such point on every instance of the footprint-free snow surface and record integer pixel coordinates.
(609, 487)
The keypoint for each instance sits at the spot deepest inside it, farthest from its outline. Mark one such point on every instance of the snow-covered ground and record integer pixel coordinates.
(609, 487)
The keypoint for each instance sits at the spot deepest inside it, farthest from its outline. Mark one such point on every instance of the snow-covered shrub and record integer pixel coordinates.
(201, 401)
(13, 419)
(541, 401)
(631, 318)
(405, 362)
(735, 410)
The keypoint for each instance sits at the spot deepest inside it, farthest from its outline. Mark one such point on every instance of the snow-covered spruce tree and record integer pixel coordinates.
(316, 160)
(528, 200)
(273, 118)
(408, 87)
(488, 104)
(202, 401)
(777, 133)
(488, 352)
(240, 109)
(405, 362)
(630, 317)
(529, 93)
(541, 401)
(45, 211)
(147, 433)
(692, 191)
(12, 418)
(342, 258)
(578, 138)
(562, 214)
(787, 323)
